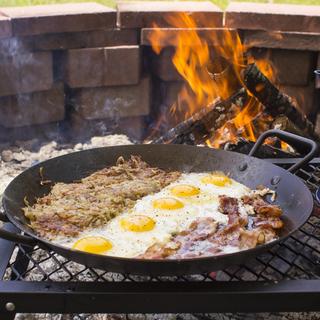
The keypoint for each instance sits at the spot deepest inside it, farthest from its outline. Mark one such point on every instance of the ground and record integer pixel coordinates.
(221, 3)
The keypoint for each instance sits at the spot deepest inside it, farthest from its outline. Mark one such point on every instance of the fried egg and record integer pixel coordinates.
(154, 218)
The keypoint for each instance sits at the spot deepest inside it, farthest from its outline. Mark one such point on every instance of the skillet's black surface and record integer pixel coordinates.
(292, 195)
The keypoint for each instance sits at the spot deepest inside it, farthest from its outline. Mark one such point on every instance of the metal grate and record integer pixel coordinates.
(298, 257)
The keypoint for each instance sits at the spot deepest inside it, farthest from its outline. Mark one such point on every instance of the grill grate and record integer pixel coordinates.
(298, 257)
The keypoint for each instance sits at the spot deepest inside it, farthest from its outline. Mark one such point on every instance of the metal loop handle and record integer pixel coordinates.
(292, 139)
(15, 237)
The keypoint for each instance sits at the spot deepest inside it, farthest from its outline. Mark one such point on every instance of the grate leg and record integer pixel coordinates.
(7, 315)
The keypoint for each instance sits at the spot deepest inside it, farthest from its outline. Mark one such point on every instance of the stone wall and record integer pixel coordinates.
(90, 68)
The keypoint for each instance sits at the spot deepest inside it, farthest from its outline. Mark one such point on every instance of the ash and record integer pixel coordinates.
(23, 154)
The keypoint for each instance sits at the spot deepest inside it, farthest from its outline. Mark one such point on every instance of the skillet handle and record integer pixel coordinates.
(15, 237)
(290, 138)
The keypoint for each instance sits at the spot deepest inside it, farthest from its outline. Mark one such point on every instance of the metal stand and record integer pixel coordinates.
(287, 278)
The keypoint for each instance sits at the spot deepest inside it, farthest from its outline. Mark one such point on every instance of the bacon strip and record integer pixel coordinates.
(262, 207)
(205, 237)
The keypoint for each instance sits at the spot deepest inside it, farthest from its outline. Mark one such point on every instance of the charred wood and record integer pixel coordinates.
(276, 102)
(204, 123)
(283, 123)
(265, 151)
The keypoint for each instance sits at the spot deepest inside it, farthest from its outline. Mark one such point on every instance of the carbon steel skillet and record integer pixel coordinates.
(292, 195)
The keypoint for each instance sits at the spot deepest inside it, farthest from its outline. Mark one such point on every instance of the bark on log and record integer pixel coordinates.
(265, 151)
(283, 123)
(275, 102)
(202, 125)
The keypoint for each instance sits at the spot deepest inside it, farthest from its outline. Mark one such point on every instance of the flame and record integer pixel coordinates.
(211, 65)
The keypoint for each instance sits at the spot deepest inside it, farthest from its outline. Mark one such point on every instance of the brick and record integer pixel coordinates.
(170, 92)
(281, 40)
(114, 102)
(14, 46)
(213, 36)
(32, 109)
(293, 67)
(85, 39)
(10, 80)
(304, 96)
(36, 72)
(57, 18)
(134, 127)
(41, 132)
(25, 73)
(273, 17)
(167, 93)
(165, 96)
(5, 26)
(318, 73)
(108, 66)
(145, 14)
(162, 65)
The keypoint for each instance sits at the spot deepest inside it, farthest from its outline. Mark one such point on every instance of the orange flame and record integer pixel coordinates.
(211, 62)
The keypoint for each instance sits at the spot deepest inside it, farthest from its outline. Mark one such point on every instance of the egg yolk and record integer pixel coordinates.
(216, 179)
(184, 190)
(167, 204)
(137, 223)
(93, 244)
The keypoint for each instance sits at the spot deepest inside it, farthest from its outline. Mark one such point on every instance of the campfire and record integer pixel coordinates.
(73, 77)
(228, 96)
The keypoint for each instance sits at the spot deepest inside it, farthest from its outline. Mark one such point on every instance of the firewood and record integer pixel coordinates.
(283, 123)
(276, 102)
(265, 151)
(200, 126)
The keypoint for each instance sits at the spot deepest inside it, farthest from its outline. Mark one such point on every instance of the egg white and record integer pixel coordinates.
(131, 244)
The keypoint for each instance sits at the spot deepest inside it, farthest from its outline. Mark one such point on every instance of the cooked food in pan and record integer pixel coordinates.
(133, 210)
(71, 208)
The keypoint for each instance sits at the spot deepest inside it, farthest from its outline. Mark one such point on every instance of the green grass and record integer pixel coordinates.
(14, 3)
(308, 2)
(112, 3)
(302, 2)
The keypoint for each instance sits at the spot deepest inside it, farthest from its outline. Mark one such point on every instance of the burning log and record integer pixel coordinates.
(199, 127)
(283, 123)
(276, 102)
(265, 151)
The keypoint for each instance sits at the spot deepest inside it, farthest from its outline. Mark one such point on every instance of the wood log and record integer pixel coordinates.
(265, 151)
(200, 126)
(283, 123)
(275, 102)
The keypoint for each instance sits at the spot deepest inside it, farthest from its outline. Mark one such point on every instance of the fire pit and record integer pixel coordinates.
(199, 78)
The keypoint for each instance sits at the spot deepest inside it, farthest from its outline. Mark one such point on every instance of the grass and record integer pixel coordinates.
(112, 3)
(15, 3)
(302, 2)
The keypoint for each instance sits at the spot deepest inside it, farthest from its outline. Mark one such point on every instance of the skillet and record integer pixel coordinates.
(293, 196)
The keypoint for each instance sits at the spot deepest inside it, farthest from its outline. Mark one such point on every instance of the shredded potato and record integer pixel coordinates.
(70, 208)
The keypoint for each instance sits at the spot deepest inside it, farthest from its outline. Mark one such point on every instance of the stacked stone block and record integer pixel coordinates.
(289, 35)
(92, 67)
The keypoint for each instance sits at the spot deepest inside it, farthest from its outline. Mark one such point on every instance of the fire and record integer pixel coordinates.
(211, 62)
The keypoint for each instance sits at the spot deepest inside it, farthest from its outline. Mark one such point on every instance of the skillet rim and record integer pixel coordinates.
(249, 252)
